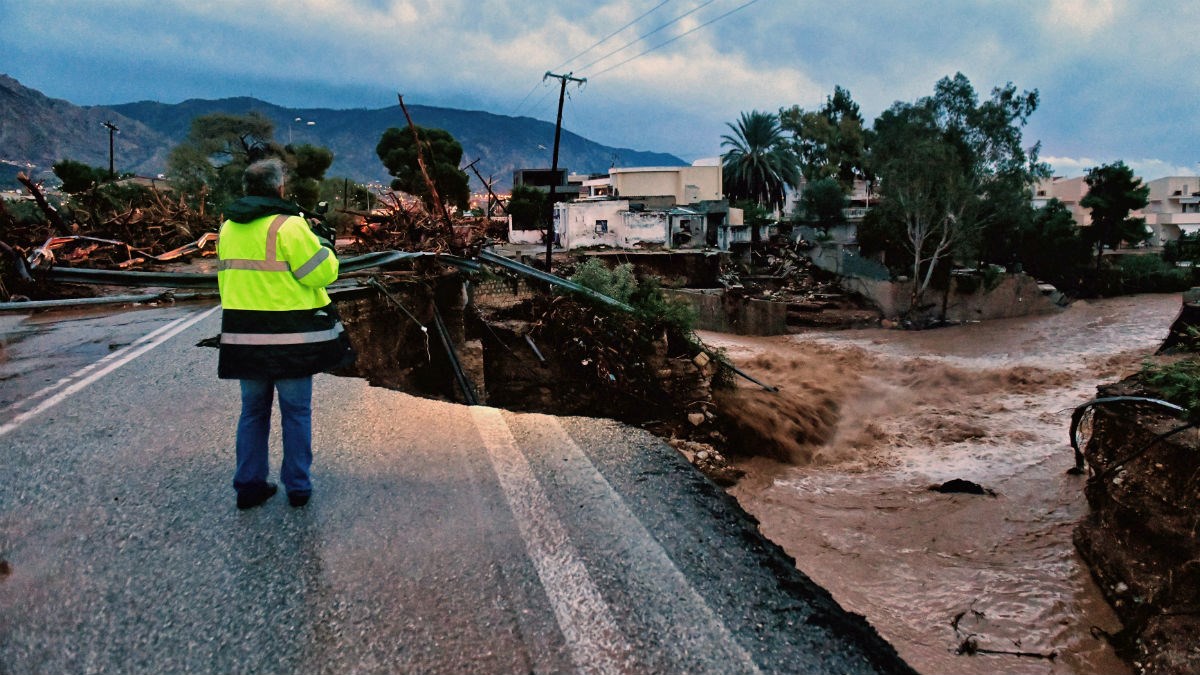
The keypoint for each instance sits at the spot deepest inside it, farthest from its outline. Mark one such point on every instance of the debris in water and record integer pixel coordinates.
(970, 647)
(958, 485)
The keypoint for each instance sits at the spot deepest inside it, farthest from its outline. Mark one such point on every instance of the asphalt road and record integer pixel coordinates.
(440, 538)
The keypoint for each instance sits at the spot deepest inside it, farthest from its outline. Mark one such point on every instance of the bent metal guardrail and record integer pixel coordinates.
(1081, 420)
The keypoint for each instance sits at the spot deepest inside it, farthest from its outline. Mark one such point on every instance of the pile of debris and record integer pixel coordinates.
(781, 272)
(408, 225)
(153, 230)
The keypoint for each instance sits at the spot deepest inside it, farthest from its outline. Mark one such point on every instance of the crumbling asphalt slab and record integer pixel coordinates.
(420, 551)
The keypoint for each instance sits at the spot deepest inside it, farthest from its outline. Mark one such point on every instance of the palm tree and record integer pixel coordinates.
(759, 165)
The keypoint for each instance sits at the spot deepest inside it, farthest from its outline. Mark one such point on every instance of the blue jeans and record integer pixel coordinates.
(295, 407)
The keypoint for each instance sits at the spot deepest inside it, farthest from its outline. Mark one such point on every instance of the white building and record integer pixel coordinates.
(658, 207)
(1173, 208)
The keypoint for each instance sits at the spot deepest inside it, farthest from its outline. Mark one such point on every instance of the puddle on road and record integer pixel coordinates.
(39, 349)
(988, 403)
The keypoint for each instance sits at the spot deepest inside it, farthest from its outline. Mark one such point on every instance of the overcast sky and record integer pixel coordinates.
(1118, 79)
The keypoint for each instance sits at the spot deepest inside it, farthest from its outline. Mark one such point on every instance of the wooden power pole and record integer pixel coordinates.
(563, 79)
(112, 128)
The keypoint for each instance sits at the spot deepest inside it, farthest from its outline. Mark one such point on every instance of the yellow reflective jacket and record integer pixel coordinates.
(273, 263)
(277, 320)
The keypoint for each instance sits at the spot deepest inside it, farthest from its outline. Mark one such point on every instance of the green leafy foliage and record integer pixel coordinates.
(309, 164)
(209, 164)
(26, 213)
(822, 202)
(618, 283)
(1051, 248)
(830, 142)
(645, 295)
(1150, 274)
(1184, 249)
(1177, 382)
(618, 351)
(1113, 192)
(529, 208)
(442, 155)
(951, 166)
(77, 177)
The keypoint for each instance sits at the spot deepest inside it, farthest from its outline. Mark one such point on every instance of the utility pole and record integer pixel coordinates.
(486, 184)
(563, 79)
(112, 128)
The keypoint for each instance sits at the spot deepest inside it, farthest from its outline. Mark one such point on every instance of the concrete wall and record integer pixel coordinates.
(725, 313)
(686, 184)
(1015, 295)
(585, 224)
(644, 227)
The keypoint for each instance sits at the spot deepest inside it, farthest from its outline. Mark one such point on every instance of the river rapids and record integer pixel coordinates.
(867, 421)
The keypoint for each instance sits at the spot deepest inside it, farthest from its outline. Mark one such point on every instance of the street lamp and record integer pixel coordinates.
(309, 123)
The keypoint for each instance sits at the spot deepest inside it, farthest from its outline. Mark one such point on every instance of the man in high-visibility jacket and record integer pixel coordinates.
(278, 328)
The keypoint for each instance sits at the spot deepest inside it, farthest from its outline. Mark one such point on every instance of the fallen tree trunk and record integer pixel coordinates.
(60, 226)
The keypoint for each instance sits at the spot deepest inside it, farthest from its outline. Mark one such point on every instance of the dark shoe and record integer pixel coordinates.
(255, 496)
(298, 499)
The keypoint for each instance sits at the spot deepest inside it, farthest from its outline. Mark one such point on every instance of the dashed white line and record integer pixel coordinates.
(85, 376)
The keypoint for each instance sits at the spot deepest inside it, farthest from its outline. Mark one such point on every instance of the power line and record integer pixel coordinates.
(597, 44)
(664, 44)
(643, 37)
(606, 37)
(526, 98)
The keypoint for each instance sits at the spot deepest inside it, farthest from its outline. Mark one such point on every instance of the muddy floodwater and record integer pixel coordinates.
(882, 415)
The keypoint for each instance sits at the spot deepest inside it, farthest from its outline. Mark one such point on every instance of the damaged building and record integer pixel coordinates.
(654, 208)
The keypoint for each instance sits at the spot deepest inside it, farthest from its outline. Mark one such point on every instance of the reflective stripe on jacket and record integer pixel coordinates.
(273, 263)
(277, 320)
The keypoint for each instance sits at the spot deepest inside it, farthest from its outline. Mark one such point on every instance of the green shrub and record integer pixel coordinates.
(618, 283)
(1177, 382)
(1150, 274)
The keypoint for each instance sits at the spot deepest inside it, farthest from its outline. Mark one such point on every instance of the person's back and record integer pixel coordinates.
(278, 328)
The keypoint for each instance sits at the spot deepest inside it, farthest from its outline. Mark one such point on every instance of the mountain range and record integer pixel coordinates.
(36, 131)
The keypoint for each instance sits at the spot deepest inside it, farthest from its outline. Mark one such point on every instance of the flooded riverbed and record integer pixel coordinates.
(879, 416)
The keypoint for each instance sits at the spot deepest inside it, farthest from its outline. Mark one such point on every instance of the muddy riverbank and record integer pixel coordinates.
(959, 583)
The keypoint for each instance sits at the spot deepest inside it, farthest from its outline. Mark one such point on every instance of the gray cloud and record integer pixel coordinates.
(1117, 78)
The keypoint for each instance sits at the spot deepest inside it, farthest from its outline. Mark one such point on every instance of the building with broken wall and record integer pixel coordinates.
(645, 207)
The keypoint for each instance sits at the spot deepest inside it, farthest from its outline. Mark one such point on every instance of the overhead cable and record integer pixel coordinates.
(643, 37)
(610, 35)
(681, 35)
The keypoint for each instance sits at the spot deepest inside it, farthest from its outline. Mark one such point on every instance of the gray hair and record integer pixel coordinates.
(263, 178)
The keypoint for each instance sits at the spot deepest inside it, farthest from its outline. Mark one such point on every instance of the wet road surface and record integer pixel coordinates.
(440, 538)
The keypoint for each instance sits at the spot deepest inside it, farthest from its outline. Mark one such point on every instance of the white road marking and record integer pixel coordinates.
(655, 569)
(596, 643)
(62, 382)
(85, 376)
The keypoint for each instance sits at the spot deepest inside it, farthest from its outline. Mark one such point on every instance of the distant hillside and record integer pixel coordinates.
(38, 130)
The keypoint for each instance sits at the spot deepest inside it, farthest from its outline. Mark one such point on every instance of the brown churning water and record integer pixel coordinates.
(867, 420)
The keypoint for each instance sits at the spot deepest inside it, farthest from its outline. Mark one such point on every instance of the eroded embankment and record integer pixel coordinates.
(1140, 534)
(531, 354)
